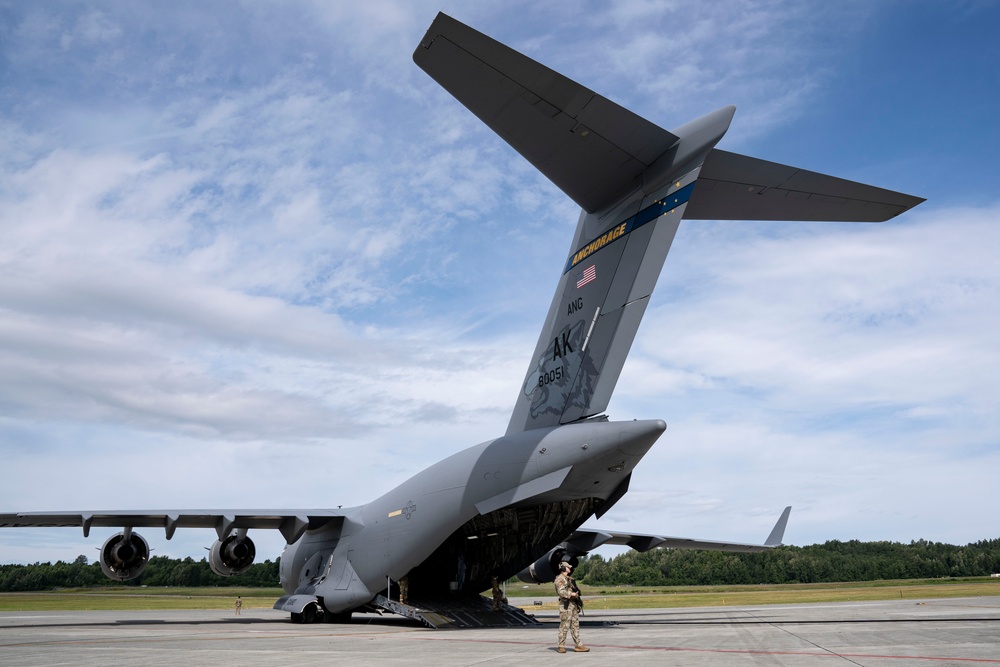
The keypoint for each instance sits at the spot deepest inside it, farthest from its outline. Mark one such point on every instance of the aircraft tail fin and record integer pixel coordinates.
(634, 181)
(618, 167)
(599, 302)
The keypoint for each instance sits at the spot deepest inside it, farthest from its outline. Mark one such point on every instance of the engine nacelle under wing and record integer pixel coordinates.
(124, 556)
(545, 569)
(233, 555)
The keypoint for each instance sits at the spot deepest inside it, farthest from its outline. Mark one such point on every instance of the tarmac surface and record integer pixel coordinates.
(963, 631)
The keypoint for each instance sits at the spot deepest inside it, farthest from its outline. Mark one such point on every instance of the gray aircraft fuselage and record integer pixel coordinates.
(478, 506)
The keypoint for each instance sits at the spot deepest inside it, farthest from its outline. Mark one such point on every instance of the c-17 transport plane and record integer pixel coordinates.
(514, 505)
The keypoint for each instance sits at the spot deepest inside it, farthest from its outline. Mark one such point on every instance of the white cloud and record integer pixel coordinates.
(847, 370)
(247, 248)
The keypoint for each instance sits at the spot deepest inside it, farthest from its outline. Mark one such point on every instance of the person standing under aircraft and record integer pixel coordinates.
(499, 599)
(404, 589)
(570, 604)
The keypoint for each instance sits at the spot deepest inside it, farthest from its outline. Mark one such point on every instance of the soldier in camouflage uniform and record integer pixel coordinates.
(404, 589)
(499, 599)
(569, 609)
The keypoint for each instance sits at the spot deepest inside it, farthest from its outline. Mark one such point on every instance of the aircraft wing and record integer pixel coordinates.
(590, 147)
(739, 187)
(585, 540)
(290, 523)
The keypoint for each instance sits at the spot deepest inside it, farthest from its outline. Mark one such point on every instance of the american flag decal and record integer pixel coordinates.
(589, 275)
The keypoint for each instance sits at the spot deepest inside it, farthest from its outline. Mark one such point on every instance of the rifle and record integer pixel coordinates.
(578, 600)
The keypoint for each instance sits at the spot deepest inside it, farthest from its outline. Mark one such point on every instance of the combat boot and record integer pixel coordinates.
(581, 649)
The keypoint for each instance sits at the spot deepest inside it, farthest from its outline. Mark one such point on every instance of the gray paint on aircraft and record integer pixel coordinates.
(515, 504)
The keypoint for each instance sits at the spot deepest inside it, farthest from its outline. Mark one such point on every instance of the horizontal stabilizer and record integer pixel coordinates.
(738, 187)
(593, 149)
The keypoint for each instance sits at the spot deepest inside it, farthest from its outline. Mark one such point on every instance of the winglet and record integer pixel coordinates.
(778, 532)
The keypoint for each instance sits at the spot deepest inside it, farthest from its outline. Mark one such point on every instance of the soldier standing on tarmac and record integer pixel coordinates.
(570, 604)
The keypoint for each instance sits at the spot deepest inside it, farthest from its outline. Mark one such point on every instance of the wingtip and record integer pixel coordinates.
(778, 532)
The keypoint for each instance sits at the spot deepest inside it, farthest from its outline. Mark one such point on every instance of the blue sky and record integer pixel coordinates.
(254, 257)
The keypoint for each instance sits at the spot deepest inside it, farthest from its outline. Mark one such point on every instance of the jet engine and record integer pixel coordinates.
(233, 555)
(546, 568)
(124, 556)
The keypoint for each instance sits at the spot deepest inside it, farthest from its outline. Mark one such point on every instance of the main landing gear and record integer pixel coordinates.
(313, 613)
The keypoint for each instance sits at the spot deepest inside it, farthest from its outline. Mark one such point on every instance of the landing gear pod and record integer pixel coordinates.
(124, 556)
(309, 609)
(311, 613)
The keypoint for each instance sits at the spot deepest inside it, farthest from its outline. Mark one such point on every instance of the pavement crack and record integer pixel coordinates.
(800, 638)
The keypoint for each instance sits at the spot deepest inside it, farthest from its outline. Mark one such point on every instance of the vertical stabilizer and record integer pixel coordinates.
(633, 180)
(602, 294)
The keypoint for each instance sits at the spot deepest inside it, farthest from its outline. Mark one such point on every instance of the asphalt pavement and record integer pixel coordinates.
(964, 631)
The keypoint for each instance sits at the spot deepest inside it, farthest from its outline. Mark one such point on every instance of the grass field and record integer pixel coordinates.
(130, 598)
(596, 597)
(612, 597)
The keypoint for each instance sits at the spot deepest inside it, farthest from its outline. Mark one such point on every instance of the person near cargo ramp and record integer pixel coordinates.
(570, 604)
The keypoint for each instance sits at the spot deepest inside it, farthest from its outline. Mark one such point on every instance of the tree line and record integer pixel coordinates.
(160, 571)
(827, 562)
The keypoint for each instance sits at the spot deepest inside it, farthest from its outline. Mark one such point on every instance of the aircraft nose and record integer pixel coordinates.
(638, 436)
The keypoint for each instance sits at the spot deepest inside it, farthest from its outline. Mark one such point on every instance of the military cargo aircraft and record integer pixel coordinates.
(514, 505)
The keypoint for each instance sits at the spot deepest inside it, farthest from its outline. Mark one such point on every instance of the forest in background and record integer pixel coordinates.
(161, 571)
(832, 561)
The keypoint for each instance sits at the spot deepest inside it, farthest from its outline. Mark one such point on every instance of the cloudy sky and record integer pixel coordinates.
(252, 256)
